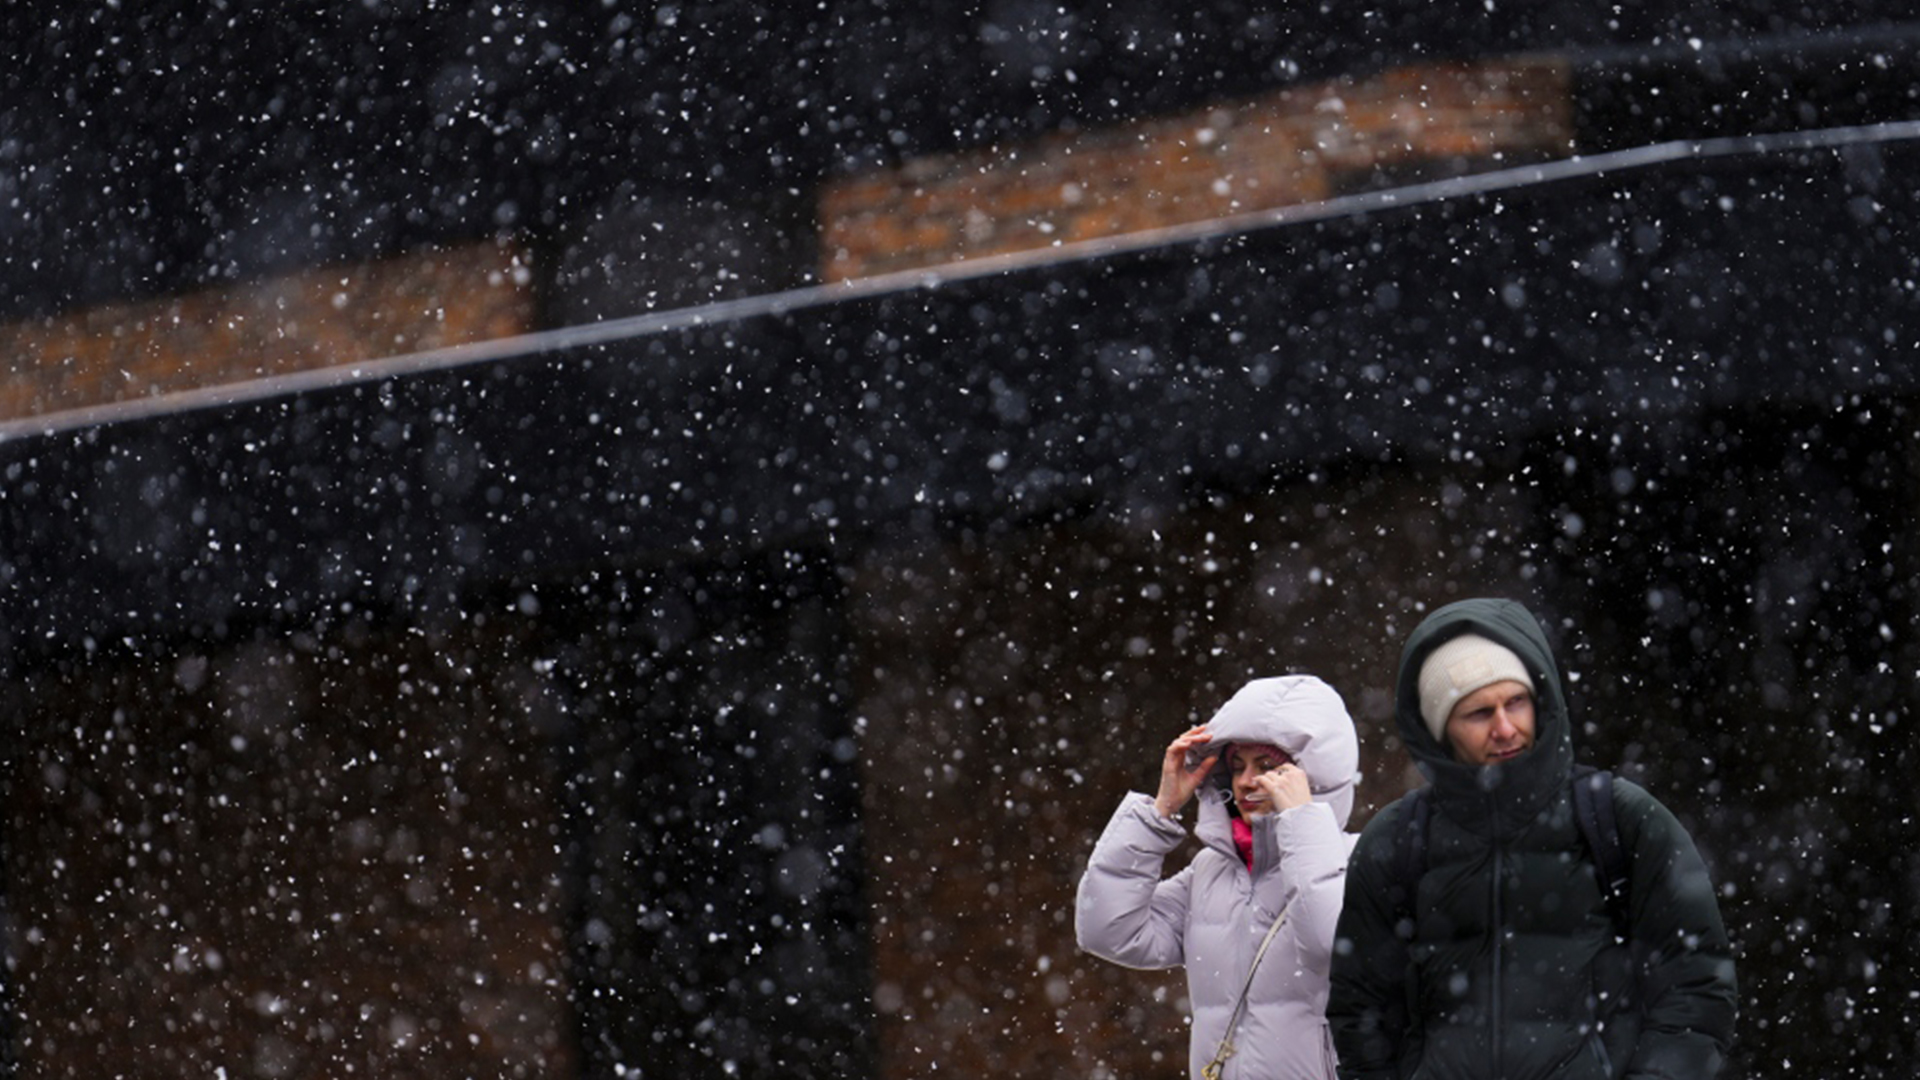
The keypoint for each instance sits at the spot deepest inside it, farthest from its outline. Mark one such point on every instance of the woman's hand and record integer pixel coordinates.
(1286, 787)
(1177, 782)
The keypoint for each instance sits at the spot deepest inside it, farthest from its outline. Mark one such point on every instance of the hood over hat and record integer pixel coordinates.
(1304, 717)
(1511, 792)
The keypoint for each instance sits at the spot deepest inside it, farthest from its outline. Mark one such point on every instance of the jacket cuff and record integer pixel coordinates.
(1304, 826)
(1140, 807)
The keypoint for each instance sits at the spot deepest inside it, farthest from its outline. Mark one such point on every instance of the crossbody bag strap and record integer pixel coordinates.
(1220, 1056)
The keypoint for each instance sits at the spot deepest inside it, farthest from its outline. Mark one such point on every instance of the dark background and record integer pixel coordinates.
(760, 685)
(1619, 419)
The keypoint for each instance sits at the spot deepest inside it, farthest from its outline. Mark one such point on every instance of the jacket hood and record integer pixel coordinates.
(1306, 718)
(1514, 790)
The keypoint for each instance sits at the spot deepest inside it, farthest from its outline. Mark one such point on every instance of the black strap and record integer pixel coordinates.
(1600, 827)
(1410, 858)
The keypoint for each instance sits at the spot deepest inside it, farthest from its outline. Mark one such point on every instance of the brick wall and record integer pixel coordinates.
(328, 854)
(1292, 146)
(318, 318)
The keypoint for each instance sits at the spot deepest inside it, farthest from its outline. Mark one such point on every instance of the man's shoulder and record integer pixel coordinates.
(1626, 793)
(1628, 796)
(1382, 834)
(1386, 821)
(1639, 816)
(1641, 813)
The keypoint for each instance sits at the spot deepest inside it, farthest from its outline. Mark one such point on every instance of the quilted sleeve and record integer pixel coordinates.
(1124, 912)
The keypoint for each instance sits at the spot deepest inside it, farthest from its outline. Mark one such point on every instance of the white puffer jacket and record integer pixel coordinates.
(1211, 916)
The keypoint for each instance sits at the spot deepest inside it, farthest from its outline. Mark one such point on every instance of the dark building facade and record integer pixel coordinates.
(738, 692)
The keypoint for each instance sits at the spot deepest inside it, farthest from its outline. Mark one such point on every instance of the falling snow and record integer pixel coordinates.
(640, 657)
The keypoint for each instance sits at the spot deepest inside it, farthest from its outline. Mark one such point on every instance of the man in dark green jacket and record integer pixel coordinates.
(1504, 962)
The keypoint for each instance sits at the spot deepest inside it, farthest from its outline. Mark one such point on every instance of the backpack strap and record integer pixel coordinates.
(1600, 828)
(1410, 858)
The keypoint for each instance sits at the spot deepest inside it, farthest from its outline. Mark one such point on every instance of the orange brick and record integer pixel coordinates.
(123, 351)
(1269, 150)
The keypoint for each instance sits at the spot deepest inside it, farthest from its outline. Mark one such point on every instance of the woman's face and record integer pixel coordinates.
(1247, 762)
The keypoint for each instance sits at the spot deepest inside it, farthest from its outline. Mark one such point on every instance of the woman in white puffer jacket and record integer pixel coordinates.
(1275, 770)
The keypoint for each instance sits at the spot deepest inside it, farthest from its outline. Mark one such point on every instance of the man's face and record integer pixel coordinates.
(1492, 724)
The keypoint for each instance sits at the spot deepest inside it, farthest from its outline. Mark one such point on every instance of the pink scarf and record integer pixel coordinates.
(1243, 832)
(1243, 839)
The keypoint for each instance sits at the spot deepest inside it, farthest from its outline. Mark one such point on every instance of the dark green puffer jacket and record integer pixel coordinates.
(1510, 969)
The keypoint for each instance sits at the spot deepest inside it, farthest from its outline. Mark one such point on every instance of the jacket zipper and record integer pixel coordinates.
(1499, 948)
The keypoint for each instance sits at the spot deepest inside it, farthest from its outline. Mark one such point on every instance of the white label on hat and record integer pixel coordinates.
(1466, 672)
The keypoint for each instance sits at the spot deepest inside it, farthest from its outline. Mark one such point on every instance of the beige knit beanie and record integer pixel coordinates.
(1458, 668)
